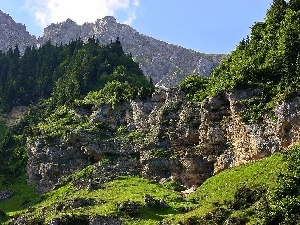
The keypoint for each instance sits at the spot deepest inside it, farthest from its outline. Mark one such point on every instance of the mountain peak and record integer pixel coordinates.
(60, 25)
(165, 64)
(13, 34)
(5, 15)
(70, 21)
(110, 19)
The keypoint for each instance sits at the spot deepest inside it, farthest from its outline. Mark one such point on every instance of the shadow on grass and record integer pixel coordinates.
(24, 196)
(4, 219)
(156, 214)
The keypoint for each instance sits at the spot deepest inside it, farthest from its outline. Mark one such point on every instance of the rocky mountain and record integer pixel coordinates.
(164, 63)
(99, 153)
(12, 34)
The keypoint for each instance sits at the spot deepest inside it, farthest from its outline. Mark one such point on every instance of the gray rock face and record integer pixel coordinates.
(288, 122)
(227, 141)
(12, 34)
(165, 63)
(47, 163)
(6, 194)
(166, 138)
(92, 220)
(170, 125)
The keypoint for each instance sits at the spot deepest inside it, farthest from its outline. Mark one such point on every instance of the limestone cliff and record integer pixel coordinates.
(165, 137)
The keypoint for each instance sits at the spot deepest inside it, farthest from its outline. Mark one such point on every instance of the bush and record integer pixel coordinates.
(194, 86)
(244, 197)
(283, 207)
(129, 208)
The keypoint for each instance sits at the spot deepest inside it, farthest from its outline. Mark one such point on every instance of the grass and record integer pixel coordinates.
(214, 191)
(115, 192)
(24, 197)
(223, 185)
(221, 188)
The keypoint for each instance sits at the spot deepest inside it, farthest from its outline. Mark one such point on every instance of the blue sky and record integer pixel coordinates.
(209, 26)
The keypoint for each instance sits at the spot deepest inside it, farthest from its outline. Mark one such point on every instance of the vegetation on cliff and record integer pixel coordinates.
(62, 83)
(50, 80)
(265, 192)
(267, 59)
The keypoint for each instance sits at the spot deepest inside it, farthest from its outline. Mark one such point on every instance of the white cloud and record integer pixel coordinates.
(136, 3)
(131, 18)
(53, 11)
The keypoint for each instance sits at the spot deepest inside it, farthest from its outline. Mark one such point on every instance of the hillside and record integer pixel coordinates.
(165, 64)
(252, 193)
(99, 143)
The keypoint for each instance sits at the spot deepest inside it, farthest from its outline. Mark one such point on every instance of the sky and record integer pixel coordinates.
(207, 26)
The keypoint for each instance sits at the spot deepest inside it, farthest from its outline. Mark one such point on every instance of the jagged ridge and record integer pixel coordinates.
(164, 63)
(13, 34)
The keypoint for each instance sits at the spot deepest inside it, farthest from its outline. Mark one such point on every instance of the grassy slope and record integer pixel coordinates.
(222, 187)
(114, 192)
(218, 189)
(24, 196)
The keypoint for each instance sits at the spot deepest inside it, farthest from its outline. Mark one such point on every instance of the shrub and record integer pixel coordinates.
(244, 197)
(130, 208)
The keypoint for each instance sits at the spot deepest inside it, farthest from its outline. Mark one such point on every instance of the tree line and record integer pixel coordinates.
(63, 72)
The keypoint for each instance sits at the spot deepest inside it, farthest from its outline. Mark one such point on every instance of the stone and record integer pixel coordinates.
(25, 219)
(172, 139)
(149, 201)
(93, 220)
(105, 220)
(130, 208)
(6, 194)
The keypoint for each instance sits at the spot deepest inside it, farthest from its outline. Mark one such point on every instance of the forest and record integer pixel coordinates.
(65, 72)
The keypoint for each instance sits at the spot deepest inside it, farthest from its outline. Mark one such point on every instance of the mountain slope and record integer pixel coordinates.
(103, 132)
(12, 34)
(165, 63)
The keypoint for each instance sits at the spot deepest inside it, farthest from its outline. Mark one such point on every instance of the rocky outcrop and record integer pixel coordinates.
(6, 194)
(13, 34)
(288, 122)
(164, 138)
(228, 141)
(158, 133)
(67, 219)
(49, 162)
